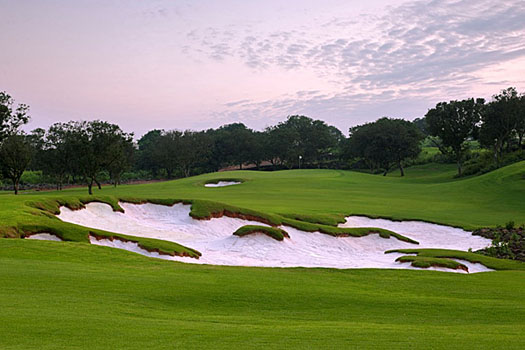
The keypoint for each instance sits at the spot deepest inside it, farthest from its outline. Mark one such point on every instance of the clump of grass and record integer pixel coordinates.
(426, 262)
(490, 262)
(273, 232)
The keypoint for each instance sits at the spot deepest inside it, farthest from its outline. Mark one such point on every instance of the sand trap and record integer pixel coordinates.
(44, 237)
(223, 184)
(428, 235)
(215, 240)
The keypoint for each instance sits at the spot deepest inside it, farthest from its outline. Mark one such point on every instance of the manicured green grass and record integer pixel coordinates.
(65, 295)
(72, 295)
(273, 232)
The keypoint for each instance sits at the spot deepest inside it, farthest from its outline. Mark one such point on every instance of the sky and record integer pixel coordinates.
(200, 64)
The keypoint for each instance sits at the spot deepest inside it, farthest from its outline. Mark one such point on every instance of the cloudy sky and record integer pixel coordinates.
(199, 64)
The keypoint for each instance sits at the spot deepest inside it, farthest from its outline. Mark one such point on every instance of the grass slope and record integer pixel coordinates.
(64, 295)
(325, 196)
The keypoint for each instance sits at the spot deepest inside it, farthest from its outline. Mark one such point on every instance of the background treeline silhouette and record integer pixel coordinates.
(476, 135)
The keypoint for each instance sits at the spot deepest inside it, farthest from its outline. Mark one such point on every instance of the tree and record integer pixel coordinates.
(11, 119)
(520, 128)
(124, 152)
(95, 146)
(303, 139)
(148, 154)
(15, 153)
(454, 123)
(501, 120)
(194, 149)
(233, 144)
(385, 142)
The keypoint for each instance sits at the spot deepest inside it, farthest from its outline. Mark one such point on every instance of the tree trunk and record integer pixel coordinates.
(240, 166)
(98, 184)
(16, 184)
(90, 186)
(401, 168)
(460, 170)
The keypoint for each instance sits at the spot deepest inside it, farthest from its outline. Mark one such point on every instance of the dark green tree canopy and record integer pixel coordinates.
(11, 118)
(385, 142)
(454, 123)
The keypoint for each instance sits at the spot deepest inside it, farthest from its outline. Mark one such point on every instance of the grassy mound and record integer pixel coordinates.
(490, 262)
(273, 232)
(426, 262)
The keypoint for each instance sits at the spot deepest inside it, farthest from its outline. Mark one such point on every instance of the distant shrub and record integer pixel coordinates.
(509, 225)
(483, 162)
(32, 177)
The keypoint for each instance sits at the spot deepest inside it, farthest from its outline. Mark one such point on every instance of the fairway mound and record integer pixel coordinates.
(272, 232)
(215, 240)
(43, 236)
(222, 183)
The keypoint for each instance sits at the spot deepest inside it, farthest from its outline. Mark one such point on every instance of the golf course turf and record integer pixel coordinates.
(68, 295)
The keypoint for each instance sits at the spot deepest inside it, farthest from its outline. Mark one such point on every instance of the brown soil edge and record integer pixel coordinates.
(404, 259)
(155, 250)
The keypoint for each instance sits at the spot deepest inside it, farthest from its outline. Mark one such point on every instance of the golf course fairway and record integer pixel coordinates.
(73, 295)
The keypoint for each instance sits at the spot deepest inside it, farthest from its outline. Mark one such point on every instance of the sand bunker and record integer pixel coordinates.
(428, 235)
(215, 240)
(223, 184)
(44, 237)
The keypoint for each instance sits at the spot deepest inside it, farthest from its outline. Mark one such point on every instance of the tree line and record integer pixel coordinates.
(93, 152)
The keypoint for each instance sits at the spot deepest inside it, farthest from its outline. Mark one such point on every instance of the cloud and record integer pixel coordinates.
(418, 51)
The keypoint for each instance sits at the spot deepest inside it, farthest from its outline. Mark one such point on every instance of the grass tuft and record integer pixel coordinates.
(273, 232)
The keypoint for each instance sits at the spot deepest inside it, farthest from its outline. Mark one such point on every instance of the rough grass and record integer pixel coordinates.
(273, 232)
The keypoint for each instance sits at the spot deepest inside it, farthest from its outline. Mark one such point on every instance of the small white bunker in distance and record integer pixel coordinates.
(222, 184)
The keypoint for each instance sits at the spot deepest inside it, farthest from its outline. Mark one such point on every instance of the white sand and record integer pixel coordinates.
(44, 237)
(214, 239)
(223, 184)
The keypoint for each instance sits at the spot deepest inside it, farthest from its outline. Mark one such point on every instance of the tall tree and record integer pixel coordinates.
(11, 117)
(95, 146)
(386, 142)
(501, 120)
(234, 143)
(148, 154)
(454, 123)
(15, 153)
